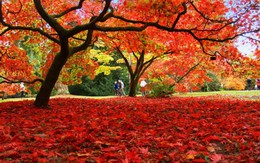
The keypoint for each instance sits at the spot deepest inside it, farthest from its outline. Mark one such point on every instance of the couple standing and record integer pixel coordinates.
(119, 88)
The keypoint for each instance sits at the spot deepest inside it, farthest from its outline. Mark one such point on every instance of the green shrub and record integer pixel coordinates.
(213, 85)
(102, 85)
(160, 90)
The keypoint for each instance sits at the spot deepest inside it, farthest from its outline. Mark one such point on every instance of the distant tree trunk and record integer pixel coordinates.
(140, 67)
(61, 88)
(133, 85)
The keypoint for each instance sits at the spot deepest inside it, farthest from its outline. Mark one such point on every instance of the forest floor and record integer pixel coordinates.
(183, 128)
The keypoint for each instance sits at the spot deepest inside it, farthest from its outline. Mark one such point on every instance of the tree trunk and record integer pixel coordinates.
(43, 96)
(133, 86)
(61, 88)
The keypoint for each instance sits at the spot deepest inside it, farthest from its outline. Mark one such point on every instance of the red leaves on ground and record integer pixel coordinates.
(131, 130)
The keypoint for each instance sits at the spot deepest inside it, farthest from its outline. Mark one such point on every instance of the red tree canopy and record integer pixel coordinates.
(72, 26)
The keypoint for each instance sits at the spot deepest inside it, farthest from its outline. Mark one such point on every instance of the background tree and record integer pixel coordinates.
(138, 51)
(234, 83)
(212, 85)
(107, 73)
(206, 22)
(179, 72)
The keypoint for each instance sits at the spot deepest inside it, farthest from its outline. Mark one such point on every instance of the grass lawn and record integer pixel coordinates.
(248, 95)
(57, 96)
(232, 93)
(253, 95)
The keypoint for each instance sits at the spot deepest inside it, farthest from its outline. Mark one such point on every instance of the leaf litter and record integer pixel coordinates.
(192, 129)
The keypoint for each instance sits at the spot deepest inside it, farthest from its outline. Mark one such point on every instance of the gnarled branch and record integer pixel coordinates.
(10, 81)
(69, 10)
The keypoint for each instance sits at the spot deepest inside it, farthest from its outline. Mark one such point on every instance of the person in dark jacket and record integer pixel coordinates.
(116, 88)
(249, 84)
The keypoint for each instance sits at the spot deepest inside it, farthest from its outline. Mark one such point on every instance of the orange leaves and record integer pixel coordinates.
(192, 26)
(257, 53)
(15, 66)
(74, 70)
(234, 83)
(151, 10)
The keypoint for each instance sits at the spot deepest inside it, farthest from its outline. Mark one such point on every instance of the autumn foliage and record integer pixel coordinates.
(232, 83)
(212, 129)
(65, 30)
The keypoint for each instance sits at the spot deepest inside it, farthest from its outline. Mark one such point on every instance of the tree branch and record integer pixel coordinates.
(9, 81)
(69, 10)
(179, 15)
(125, 60)
(140, 62)
(11, 27)
(51, 21)
(204, 16)
(86, 43)
(103, 13)
(16, 12)
(146, 65)
(187, 73)
(92, 23)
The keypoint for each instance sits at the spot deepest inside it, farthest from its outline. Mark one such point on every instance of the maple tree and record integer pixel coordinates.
(182, 77)
(73, 26)
(138, 51)
(232, 83)
(176, 75)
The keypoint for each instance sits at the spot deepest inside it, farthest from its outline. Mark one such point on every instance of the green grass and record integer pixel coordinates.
(231, 93)
(240, 94)
(57, 96)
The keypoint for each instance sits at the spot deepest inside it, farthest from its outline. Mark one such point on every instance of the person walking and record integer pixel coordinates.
(121, 87)
(116, 88)
(143, 87)
(257, 84)
(22, 87)
(249, 84)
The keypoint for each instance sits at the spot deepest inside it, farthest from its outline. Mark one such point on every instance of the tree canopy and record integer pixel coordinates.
(65, 30)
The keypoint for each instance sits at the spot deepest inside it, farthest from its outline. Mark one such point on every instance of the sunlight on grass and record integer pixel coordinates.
(58, 96)
(76, 96)
(241, 94)
(232, 93)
